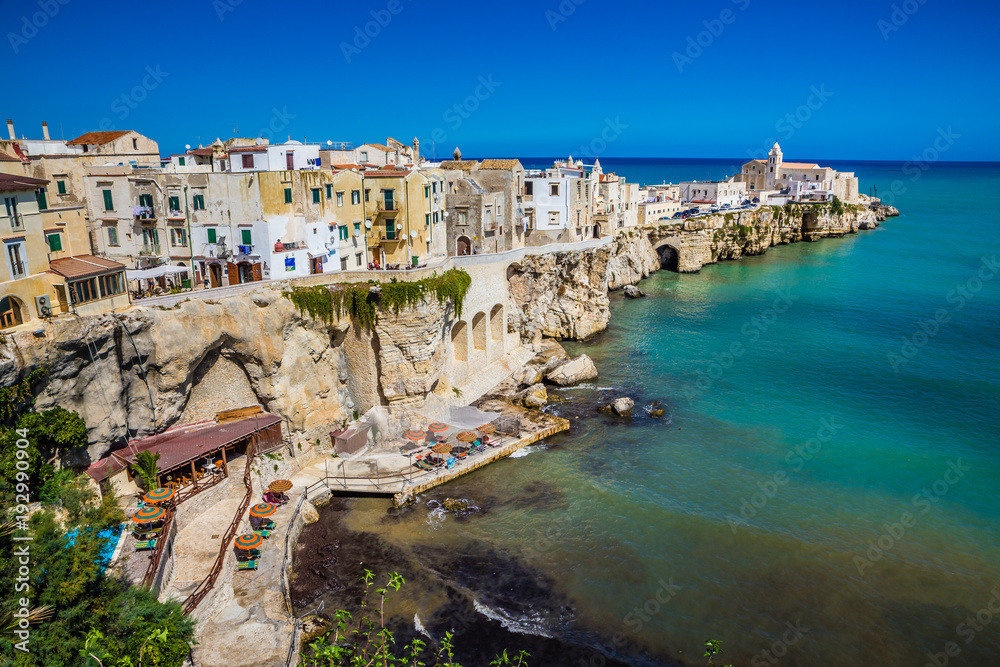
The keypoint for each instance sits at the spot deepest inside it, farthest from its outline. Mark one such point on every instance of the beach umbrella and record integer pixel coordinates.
(147, 514)
(438, 427)
(263, 509)
(249, 541)
(487, 429)
(467, 436)
(279, 486)
(159, 495)
(441, 448)
(415, 435)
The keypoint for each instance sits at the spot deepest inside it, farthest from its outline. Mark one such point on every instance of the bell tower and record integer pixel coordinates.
(773, 167)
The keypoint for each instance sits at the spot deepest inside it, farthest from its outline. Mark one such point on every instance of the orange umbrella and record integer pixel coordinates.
(159, 495)
(249, 541)
(415, 435)
(438, 427)
(441, 448)
(263, 509)
(147, 514)
(467, 436)
(280, 486)
(487, 429)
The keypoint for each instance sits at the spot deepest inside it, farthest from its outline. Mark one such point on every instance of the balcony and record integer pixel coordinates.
(245, 249)
(216, 250)
(149, 249)
(383, 206)
(16, 222)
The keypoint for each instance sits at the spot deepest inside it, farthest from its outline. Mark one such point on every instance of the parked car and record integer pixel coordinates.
(714, 209)
(678, 215)
(726, 205)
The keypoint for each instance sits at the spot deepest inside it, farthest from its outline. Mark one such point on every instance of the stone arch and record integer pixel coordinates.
(460, 341)
(463, 246)
(496, 323)
(479, 331)
(12, 312)
(669, 257)
(810, 221)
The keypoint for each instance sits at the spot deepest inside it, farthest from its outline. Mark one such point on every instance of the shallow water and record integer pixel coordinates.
(825, 488)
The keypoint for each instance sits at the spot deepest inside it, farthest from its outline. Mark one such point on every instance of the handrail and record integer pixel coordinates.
(154, 561)
(208, 582)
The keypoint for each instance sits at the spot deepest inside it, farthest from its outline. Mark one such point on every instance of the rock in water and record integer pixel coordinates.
(633, 292)
(657, 413)
(622, 407)
(455, 505)
(534, 396)
(309, 513)
(573, 372)
(403, 498)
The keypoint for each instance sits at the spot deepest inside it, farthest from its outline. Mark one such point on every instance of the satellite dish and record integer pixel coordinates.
(413, 235)
(357, 232)
(329, 143)
(368, 224)
(446, 214)
(187, 146)
(259, 141)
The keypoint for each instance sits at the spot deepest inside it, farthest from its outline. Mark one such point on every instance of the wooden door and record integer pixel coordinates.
(257, 274)
(233, 272)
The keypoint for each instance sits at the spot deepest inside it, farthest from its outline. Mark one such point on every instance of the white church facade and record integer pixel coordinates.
(797, 181)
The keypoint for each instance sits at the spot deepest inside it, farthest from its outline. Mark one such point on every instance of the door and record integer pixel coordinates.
(463, 246)
(215, 273)
(257, 274)
(233, 273)
(388, 197)
(290, 161)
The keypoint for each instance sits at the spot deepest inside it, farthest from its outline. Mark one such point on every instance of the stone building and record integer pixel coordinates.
(730, 192)
(559, 203)
(797, 181)
(401, 206)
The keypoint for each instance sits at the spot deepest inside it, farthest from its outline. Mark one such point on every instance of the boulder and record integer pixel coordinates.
(633, 292)
(534, 396)
(403, 498)
(529, 375)
(455, 504)
(656, 413)
(622, 407)
(573, 372)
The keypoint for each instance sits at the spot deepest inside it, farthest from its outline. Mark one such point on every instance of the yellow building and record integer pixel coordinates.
(46, 269)
(401, 206)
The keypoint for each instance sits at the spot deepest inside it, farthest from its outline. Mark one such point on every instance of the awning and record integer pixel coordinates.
(155, 272)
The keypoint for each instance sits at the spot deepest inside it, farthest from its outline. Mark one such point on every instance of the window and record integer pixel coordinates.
(84, 290)
(388, 196)
(246, 236)
(113, 236)
(147, 201)
(435, 216)
(181, 161)
(344, 233)
(111, 284)
(367, 194)
(17, 260)
(109, 203)
(390, 230)
(355, 196)
(135, 144)
(357, 227)
(463, 217)
(554, 189)
(212, 237)
(42, 201)
(499, 209)
(434, 186)
(61, 187)
(427, 219)
(175, 203)
(12, 215)
(329, 191)
(198, 202)
(340, 199)
(343, 263)
(178, 237)
(248, 160)
(553, 217)
(364, 156)
(357, 258)
(427, 192)
(288, 195)
(316, 196)
(55, 242)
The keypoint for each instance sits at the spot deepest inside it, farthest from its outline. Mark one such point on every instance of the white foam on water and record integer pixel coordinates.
(420, 627)
(525, 625)
(524, 451)
(436, 517)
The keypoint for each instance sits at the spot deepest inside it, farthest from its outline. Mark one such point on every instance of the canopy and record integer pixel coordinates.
(279, 486)
(467, 436)
(159, 495)
(415, 435)
(263, 509)
(147, 514)
(438, 427)
(249, 541)
(155, 272)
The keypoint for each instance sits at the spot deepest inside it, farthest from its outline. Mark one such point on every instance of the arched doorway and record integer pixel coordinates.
(669, 258)
(12, 312)
(245, 272)
(460, 341)
(496, 322)
(479, 331)
(597, 231)
(463, 246)
(215, 271)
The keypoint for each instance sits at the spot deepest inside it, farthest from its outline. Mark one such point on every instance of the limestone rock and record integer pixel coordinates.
(529, 375)
(656, 413)
(576, 371)
(309, 513)
(404, 498)
(633, 292)
(622, 406)
(456, 504)
(534, 396)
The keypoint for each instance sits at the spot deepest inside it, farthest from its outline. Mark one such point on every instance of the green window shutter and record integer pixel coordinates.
(55, 242)
(61, 187)
(329, 190)
(175, 203)
(427, 218)
(180, 161)
(427, 191)
(288, 195)
(42, 202)
(316, 195)
(109, 204)
(211, 235)
(247, 236)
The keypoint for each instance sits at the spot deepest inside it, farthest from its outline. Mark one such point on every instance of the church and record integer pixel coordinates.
(778, 181)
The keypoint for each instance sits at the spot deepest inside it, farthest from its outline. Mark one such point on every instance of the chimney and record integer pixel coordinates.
(10, 129)
(45, 130)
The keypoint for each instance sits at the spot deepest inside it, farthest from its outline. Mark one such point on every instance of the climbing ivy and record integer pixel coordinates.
(360, 302)
(18, 396)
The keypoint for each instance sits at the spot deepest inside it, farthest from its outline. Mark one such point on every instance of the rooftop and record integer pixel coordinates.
(96, 138)
(83, 266)
(499, 164)
(10, 182)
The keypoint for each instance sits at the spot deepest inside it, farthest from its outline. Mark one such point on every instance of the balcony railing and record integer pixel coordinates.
(245, 249)
(391, 205)
(150, 249)
(16, 222)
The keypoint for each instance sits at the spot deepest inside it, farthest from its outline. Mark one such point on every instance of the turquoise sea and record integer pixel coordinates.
(826, 487)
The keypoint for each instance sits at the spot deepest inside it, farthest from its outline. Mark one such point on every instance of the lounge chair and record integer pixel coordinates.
(267, 524)
(145, 546)
(263, 533)
(476, 450)
(247, 565)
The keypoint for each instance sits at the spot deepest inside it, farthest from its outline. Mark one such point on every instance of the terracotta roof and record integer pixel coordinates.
(83, 266)
(10, 182)
(800, 165)
(394, 173)
(97, 138)
(8, 158)
(346, 166)
(463, 165)
(248, 149)
(206, 151)
(499, 164)
(381, 147)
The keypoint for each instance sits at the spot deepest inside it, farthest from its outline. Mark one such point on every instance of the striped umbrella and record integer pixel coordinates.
(263, 509)
(415, 435)
(438, 427)
(147, 514)
(441, 448)
(159, 495)
(487, 429)
(249, 541)
(467, 436)
(280, 486)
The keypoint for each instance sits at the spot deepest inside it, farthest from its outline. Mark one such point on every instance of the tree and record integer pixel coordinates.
(145, 466)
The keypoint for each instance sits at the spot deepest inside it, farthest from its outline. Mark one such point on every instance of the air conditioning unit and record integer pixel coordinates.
(44, 305)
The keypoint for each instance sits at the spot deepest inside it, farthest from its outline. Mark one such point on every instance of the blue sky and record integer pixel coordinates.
(720, 78)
